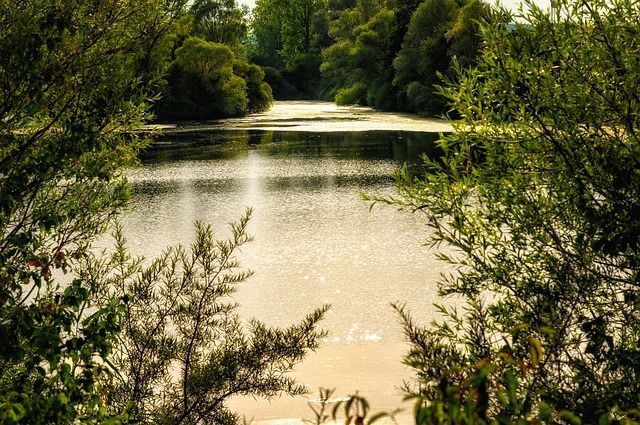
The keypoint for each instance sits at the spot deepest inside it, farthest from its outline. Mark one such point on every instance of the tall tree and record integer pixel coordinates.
(220, 21)
(424, 54)
(464, 35)
(288, 35)
(356, 67)
(267, 34)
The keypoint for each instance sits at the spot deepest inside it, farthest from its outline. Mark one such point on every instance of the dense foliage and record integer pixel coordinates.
(202, 84)
(368, 65)
(70, 94)
(357, 68)
(439, 31)
(220, 22)
(388, 54)
(537, 200)
(383, 53)
(288, 37)
(208, 74)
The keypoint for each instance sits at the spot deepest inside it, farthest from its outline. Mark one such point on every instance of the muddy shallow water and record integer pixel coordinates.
(315, 240)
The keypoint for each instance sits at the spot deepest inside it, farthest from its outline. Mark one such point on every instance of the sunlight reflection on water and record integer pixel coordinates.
(315, 240)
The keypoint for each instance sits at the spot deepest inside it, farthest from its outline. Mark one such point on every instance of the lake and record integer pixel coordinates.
(315, 240)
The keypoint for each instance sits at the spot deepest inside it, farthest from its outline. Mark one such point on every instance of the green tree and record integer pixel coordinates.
(266, 35)
(356, 68)
(202, 85)
(74, 78)
(464, 35)
(258, 92)
(221, 21)
(388, 54)
(536, 197)
(183, 350)
(424, 54)
(288, 35)
(297, 27)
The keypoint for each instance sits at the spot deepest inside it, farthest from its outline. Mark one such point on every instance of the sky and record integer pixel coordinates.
(513, 4)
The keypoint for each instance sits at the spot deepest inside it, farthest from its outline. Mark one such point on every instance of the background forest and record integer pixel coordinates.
(225, 60)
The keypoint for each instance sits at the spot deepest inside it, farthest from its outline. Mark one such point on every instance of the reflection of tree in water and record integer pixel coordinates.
(229, 144)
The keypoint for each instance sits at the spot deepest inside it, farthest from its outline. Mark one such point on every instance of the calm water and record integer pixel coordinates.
(315, 241)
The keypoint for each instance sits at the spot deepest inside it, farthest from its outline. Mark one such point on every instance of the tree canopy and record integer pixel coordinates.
(207, 81)
(287, 35)
(390, 55)
(220, 21)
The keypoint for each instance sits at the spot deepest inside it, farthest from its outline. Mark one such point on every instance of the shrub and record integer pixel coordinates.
(183, 350)
(537, 197)
(202, 85)
(71, 100)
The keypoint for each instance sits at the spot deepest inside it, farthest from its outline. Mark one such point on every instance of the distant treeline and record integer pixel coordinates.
(226, 60)
(383, 53)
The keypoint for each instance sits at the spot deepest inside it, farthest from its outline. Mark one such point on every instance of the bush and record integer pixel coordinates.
(183, 350)
(282, 89)
(258, 92)
(202, 85)
(537, 197)
(73, 348)
(351, 95)
(71, 101)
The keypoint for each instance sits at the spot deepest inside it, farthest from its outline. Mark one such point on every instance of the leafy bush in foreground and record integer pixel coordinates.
(76, 78)
(183, 349)
(537, 198)
(71, 96)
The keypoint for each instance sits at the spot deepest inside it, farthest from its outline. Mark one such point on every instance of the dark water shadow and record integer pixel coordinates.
(400, 146)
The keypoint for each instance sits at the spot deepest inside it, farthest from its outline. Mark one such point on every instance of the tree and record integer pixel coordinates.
(267, 37)
(389, 54)
(441, 33)
(464, 36)
(183, 349)
(356, 68)
(202, 85)
(367, 65)
(74, 78)
(220, 21)
(424, 54)
(288, 35)
(297, 26)
(207, 81)
(536, 197)
(258, 92)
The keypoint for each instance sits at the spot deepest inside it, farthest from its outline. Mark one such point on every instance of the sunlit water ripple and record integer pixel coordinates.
(315, 240)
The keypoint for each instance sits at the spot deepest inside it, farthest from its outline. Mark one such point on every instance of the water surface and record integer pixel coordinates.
(315, 240)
